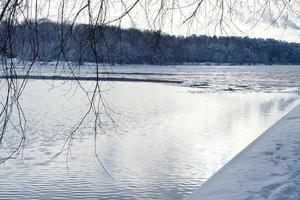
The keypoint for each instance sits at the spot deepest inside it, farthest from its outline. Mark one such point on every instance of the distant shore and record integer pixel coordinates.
(71, 63)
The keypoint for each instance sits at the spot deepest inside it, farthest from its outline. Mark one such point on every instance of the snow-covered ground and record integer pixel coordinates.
(269, 168)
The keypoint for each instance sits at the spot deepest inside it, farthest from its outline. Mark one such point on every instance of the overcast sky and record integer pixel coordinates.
(236, 18)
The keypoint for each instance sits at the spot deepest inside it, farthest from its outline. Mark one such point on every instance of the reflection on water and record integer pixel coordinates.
(173, 140)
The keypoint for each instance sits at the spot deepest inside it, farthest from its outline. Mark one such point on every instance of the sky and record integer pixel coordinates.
(255, 19)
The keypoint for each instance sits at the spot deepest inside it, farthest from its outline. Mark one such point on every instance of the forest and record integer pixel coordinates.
(77, 43)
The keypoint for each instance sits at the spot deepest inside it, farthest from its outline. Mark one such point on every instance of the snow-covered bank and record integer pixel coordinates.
(269, 168)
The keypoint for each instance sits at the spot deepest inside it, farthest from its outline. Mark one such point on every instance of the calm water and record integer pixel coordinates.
(170, 140)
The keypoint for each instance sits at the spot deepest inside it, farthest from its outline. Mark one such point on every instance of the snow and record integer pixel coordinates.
(269, 168)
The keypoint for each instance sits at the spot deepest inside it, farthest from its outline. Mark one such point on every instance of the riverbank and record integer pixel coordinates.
(267, 169)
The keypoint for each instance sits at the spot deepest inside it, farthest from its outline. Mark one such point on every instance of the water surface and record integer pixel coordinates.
(212, 78)
(170, 140)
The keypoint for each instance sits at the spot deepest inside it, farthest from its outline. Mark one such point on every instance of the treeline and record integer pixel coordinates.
(49, 41)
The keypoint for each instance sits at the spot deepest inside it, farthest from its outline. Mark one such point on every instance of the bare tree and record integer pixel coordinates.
(221, 16)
